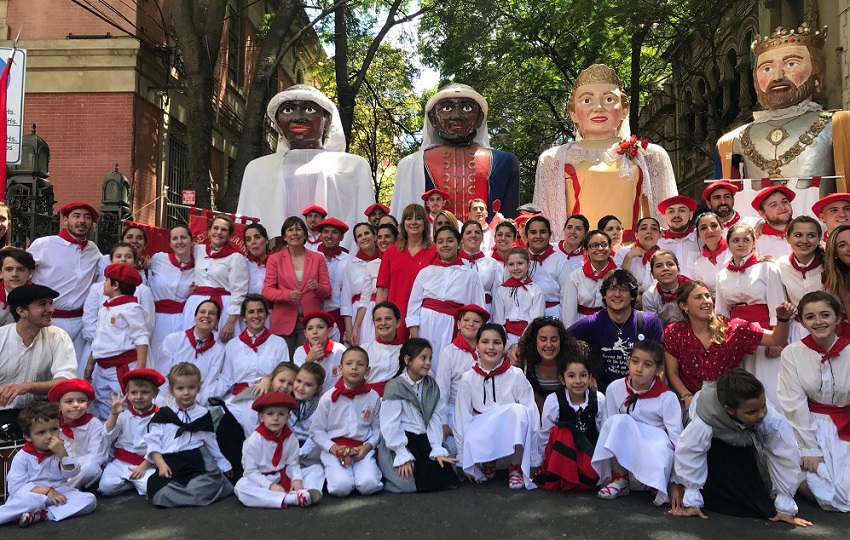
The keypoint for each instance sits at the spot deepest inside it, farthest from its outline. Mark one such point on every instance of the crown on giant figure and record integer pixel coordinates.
(598, 73)
(782, 37)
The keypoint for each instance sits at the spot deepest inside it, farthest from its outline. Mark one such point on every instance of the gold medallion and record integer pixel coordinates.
(777, 135)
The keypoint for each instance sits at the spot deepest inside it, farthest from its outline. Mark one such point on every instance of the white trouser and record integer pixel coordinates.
(116, 479)
(20, 503)
(363, 475)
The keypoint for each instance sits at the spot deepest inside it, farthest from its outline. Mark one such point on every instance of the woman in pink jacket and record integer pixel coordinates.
(296, 283)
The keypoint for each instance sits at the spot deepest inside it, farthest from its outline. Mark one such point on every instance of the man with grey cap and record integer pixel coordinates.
(34, 354)
(310, 166)
(456, 157)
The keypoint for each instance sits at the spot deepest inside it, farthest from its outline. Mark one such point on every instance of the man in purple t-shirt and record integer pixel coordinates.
(612, 332)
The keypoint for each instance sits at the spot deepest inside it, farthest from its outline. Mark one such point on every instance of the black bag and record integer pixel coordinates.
(230, 437)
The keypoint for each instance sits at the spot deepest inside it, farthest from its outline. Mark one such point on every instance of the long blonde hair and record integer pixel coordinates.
(717, 326)
(836, 271)
(413, 211)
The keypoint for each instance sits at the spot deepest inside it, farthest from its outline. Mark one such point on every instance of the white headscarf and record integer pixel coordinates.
(430, 137)
(334, 139)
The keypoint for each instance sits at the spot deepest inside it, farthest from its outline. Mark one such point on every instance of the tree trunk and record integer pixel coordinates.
(634, 78)
(253, 130)
(345, 93)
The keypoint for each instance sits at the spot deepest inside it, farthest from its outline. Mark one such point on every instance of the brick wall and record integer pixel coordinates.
(88, 134)
(55, 19)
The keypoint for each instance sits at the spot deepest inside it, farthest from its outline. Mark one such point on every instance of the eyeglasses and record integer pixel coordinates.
(619, 288)
(598, 245)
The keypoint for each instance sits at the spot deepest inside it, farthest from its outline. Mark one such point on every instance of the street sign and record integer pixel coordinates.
(188, 196)
(14, 103)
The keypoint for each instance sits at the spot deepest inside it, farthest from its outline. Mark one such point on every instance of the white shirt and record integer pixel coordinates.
(687, 250)
(369, 284)
(758, 284)
(27, 473)
(773, 246)
(452, 283)
(63, 267)
(355, 418)
(552, 410)
(529, 304)
(706, 271)
(454, 362)
(163, 438)
(548, 274)
(663, 412)
(399, 416)
(96, 298)
(176, 348)
(50, 356)
(330, 363)
(128, 433)
(783, 457)
(579, 290)
(89, 443)
(491, 273)
(119, 329)
(168, 282)
(5, 312)
(668, 312)
(796, 286)
(352, 284)
(242, 364)
(383, 361)
(256, 277)
(802, 376)
(229, 273)
(257, 454)
(336, 273)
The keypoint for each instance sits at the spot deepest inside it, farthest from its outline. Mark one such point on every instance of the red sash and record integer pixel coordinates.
(239, 387)
(169, 307)
(129, 457)
(446, 307)
(754, 313)
(378, 387)
(515, 328)
(346, 442)
(119, 362)
(67, 313)
(584, 310)
(840, 416)
(337, 317)
(551, 304)
(215, 293)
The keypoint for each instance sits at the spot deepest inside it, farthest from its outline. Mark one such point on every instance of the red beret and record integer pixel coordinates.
(818, 207)
(274, 399)
(376, 206)
(720, 184)
(68, 208)
(314, 208)
(123, 273)
(70, 385)
(473, 308)
(148, 374)
(332, 222)
(327, 317)
(435, 191)
(678, 199)
(770, 190)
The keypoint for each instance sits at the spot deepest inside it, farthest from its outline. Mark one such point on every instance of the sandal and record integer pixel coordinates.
(515, 477)
(488, 470)
(617, 487)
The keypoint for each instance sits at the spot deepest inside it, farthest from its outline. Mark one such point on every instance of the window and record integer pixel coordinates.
(234, 46)
(178, 174)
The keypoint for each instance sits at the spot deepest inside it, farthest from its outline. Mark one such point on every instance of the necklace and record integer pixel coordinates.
(619, 326)
(777, 134)
(772, 166)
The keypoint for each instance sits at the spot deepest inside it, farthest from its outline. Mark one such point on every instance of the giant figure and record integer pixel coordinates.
(456, 157)
(309, 167)
(605, 170)
(792, 136)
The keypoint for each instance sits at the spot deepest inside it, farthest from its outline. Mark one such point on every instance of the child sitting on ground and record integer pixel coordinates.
(38, 477)
(272, 477)
(307, 391)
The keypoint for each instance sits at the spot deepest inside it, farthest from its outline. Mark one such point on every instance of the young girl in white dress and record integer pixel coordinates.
(518, 300)
(636, 259)
(660, 299)
(814, 395)
(801, 271)
(549, 266)
(641, 429)
(384, 348)
(439, 290)
(580, 295)
(496, 416)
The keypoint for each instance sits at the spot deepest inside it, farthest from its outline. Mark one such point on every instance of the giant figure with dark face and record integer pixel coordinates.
(456, 157)
(310, 166)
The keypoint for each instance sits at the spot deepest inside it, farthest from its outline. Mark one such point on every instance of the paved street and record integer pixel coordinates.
(487, 511)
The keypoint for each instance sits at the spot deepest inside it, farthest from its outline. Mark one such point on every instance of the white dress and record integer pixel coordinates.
(229, 273)
(176, 348)
(492, 418)
(548, 275)
(526, 305)
(796, 286)
(804, 377)
(641, 440)
(579, 292)
(706, 271)
(456, 283)
(169, 285)
(758, 284)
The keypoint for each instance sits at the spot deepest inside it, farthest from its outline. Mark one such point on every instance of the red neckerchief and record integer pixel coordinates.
(145, 414)
(258, 260)
(803, 269)
(33, 451)
(313, 242)
(543, 256)
(589, 272)
(331, 253)
(329, 347)
(751, 261)
(514, 282)
(66, 236)
(254, 343)
(770, 231)
(3, 303)
(501, 368)
(341, 390)
(670, 297)
(182, 266)
(577, 252)
(208, 343)
(658, 388)
(472, 257)
(670, 235)
(833, 352)
(397, 340)
(439, 262)
(121, 300)
(67, 427)
(712, 256)
(648, 254)
(223, 252)
(279, 439)
(363, 257)
(460, 342)
(498, 257)
(735, 219)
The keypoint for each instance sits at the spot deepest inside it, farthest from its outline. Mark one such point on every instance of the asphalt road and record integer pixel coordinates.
(489, 510)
